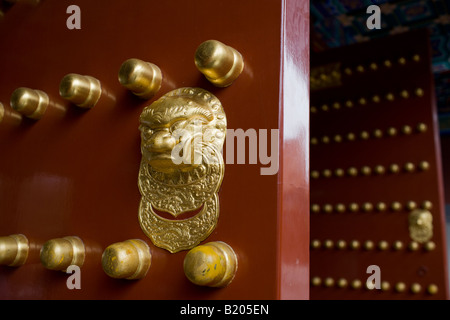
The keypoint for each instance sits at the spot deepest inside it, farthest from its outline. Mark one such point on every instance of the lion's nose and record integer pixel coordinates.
(162, 141)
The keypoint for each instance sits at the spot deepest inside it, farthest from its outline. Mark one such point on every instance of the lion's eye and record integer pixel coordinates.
(178, 125)
(146, 132)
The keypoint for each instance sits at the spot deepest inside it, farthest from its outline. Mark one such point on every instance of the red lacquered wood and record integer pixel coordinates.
(75, 172)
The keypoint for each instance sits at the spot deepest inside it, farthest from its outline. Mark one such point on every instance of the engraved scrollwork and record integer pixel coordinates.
(177, 235)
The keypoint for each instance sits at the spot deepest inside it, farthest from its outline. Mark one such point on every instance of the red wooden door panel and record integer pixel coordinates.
(74, 172)
(375, 158)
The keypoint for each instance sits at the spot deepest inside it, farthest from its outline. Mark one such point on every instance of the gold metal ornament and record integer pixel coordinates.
(221, 64)
(13, 250)
(60, 253)
(83, 91)
(140, 77)
(213, 264)
(29, 102)
(129, 259)
(182, 167)
(420, 225)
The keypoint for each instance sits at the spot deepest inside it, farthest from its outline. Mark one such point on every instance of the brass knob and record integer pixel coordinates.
(140, 77)
(84, 91)
(60, 253)
(220, 63)
(29, 102)
(13, 250)
(129, 259)
(213, 264)
(2, 112)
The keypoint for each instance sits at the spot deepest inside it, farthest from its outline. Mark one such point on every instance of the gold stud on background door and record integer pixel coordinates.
(420, 225)
(2, 112)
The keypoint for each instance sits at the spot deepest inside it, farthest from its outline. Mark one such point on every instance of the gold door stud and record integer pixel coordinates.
(140, 77)
(221, 64)
(130, 259)
(213, 264)
(29, 102)
(60, 253)
(83, 91)
(13, 250)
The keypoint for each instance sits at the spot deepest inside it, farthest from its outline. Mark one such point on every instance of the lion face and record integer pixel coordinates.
(175, 131)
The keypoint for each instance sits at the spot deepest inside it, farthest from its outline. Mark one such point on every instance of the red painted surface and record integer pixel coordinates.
(74, 172)
(293, 272)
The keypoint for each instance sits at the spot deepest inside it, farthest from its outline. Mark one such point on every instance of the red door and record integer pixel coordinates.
(377, 212)
(75, 171)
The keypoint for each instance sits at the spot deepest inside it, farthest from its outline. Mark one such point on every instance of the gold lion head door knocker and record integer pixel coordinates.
(420, 225)
(182, 168)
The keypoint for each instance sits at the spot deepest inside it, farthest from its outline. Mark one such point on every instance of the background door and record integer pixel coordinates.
(375, 158)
